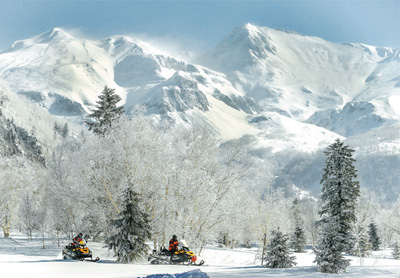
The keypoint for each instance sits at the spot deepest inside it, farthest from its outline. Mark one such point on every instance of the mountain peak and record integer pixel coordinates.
(247, 31)
(53, 35)
(248, 43)
(251, 36)
(253, 29)
(119, 46)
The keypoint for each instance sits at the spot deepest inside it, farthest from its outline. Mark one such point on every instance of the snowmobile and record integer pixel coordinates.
(182, 256)
(78, 252)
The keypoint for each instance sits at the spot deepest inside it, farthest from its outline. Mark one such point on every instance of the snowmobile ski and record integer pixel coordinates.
(92, 260)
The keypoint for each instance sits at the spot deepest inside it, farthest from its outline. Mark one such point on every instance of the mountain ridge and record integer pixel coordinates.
(281, 95)
(293, 65)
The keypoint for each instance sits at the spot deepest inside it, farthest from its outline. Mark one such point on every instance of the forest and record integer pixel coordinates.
(189, 183)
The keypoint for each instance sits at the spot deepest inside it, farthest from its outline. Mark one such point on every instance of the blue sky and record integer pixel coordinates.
(196, 25)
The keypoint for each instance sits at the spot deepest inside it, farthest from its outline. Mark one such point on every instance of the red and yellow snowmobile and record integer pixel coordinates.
(78, 252)
(181, 256)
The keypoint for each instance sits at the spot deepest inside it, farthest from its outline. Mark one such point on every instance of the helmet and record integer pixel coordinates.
(174, 237)
(80, 234)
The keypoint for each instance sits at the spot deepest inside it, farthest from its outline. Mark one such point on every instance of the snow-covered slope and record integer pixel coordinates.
(57, 70)
(65, 74)
(279, 133)
(377, 155)
(298, 75)
(137, 63)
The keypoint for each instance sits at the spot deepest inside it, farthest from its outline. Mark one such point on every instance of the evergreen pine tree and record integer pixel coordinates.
(298, 240)
(373, 236)
(65, 131)
(106, 111)
(360, 247)
(278, 255)
(339, 197)
(131, 230)
(396, 251)
(56, 130)
(56, 127)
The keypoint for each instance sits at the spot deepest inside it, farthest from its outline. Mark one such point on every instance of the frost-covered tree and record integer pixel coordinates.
(396, 251)
(373, 236)
(64, 187)
(15, 175)
(269, 211)
(339, 198)
(278, 255)
(388, 220)
(298, 237)
(27, 214)
(187, 182)
(298, 240)
(106, 111)
(131, 230)
(41, 221)
(360, 246)
(310, 216)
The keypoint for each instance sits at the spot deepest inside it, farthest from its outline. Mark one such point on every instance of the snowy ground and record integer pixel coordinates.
(18, 258)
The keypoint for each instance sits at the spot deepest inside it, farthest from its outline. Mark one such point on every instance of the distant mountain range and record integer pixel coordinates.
(282, 95)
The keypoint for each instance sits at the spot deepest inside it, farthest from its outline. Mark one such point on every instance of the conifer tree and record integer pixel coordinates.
(65, 131)
(396, 251)
(131, 230)
(360, 247)
(339, 197)
(106, 111)
(56, 127)
(278, 255)
(373, 236)
(298, 240)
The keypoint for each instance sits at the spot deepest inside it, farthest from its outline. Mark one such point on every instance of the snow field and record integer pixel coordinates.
(18, 258)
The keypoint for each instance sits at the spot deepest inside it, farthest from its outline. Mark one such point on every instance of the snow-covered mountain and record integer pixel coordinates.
(57, 71)
(65, 75)
(283, 96)
(307, 77)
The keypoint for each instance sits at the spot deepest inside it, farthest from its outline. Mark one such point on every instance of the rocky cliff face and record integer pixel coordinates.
(15, 140)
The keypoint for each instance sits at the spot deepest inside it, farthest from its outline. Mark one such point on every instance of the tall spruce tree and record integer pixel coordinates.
(278, 255)
(360, 247)
(131, 230)
(298, 238)
(106, 111)
(339, 197)
(373, 236)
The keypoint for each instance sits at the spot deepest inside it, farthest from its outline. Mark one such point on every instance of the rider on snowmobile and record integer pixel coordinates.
(78, 239)
(173, 244)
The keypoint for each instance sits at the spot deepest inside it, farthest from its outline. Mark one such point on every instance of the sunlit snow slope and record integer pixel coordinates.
(66, 74)
(298, 76)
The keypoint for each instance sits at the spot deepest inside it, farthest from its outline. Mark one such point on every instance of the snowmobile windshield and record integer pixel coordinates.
(183, 243)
